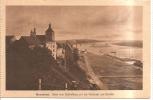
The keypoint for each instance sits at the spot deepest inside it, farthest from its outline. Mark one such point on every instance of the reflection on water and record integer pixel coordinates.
(101, 48)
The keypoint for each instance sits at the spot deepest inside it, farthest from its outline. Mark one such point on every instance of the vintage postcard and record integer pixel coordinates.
(75, 49)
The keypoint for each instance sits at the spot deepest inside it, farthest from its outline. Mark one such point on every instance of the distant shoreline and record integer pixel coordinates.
(138, 44)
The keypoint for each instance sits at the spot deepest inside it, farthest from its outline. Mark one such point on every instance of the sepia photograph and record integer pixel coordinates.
(74, 47)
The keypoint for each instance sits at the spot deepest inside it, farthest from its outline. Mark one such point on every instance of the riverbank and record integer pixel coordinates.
(114, 73)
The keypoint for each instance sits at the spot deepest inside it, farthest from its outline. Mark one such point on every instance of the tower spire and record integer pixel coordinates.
(34, 30)
(49, 25)
(49, 33)
(31, 31)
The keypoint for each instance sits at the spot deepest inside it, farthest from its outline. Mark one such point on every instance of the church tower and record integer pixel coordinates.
(33, 33)
(50, 41)
(49, 34)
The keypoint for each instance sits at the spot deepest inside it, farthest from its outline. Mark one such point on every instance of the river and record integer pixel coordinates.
(101, 48)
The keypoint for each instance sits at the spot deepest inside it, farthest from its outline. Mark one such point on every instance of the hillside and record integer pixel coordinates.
(130, 43)
(24, 67)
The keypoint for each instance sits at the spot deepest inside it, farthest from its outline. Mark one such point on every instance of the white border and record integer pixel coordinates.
(69, 4)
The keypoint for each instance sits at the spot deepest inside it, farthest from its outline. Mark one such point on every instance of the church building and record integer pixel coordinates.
(47, 40)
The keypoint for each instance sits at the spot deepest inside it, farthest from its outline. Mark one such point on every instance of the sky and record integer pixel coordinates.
(77, 22)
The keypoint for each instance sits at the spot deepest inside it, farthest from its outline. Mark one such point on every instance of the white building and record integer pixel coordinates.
(52, 47)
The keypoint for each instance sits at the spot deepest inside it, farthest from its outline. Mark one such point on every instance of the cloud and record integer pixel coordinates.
(76, 20)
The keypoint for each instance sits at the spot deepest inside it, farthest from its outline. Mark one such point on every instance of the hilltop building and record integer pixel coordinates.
(34, 40)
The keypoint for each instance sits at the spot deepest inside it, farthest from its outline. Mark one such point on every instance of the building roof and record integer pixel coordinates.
(40, 39)
(49, 29)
